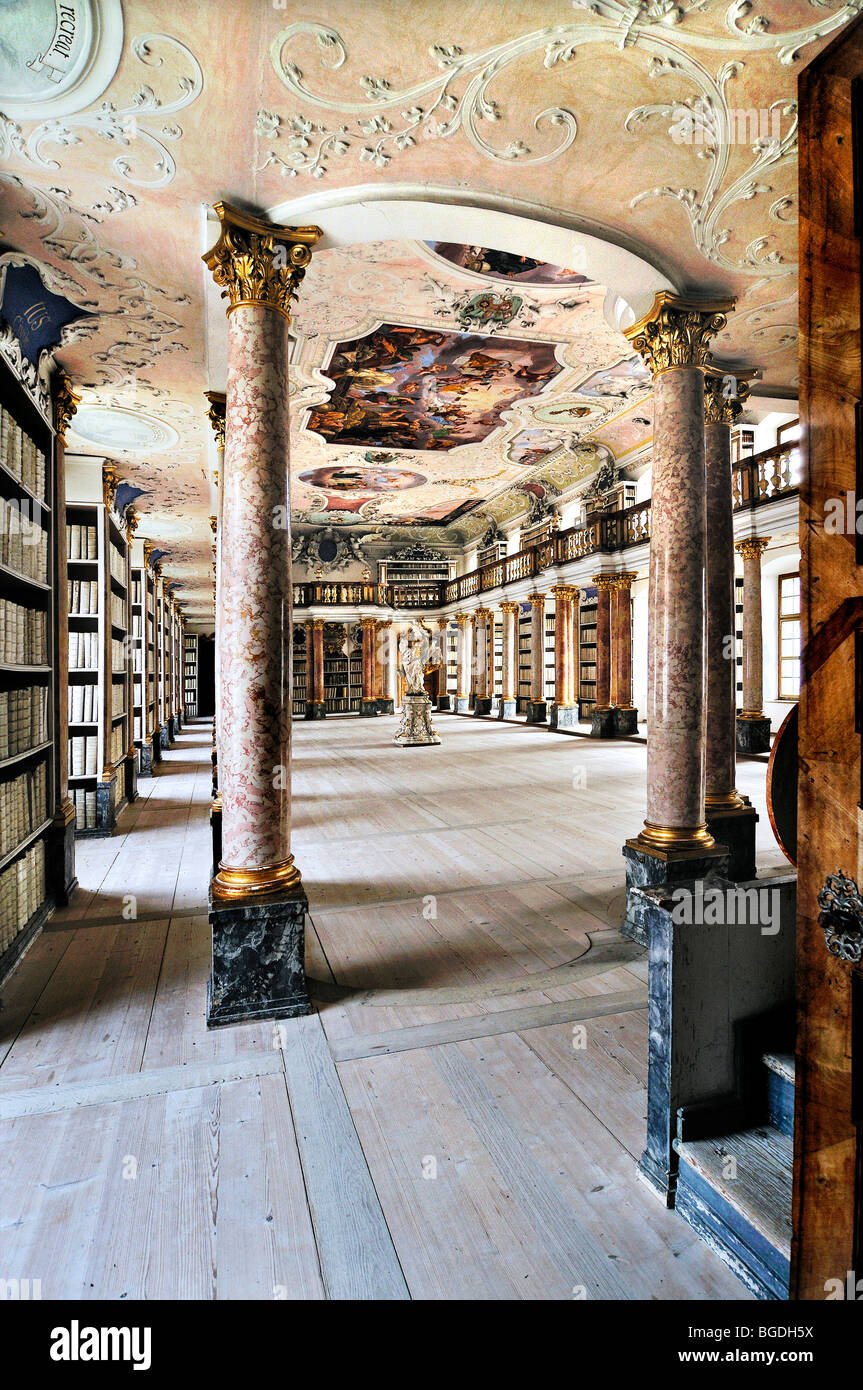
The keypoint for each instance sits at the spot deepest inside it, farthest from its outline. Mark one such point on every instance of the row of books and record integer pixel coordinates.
(83, 651)
(118, 699)
(22, 892)
(81, 542)
(137, 731)
(20, 455)
(119, 654)
(83, 704)
(23, 806)
(83, 596)
(23, 635)
(23, 542)
(84, 755)
(118, 611)
(118, 744)
(23, 719)
(117, 563)
(136, 589)
(85, 807)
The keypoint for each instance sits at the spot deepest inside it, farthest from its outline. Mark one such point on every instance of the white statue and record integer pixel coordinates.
(416, 652)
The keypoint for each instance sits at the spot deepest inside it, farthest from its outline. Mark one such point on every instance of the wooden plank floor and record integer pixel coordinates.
(459, 1119)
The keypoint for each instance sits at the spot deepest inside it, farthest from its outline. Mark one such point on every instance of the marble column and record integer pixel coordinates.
(509, 687)
(673, 340)
(564, 711)
(368, 701)
(258, 905)
(625, 713)
(602, 719)
(216, 417)
(753, 726)
(60, 862)
(537, 710)
(443, 698)
(482, 703)
(465, 662)
(731, 820)
(315, 693)
(385, 696)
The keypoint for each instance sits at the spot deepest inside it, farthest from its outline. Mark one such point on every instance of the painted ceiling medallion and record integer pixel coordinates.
(503, 265)
(57, 56)
(112, 427)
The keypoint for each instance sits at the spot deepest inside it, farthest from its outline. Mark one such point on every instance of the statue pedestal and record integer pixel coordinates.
(415, 728)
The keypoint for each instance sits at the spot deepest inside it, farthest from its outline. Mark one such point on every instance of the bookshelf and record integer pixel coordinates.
(550, 676)
(355, 657)
(153, 736)
(102, 765)
(451, 656)
(29, 767)
(523, 687)
(190, 675)
(298, 667)
(337, 670)
(141, 663)
(587, 653)
(495, 680)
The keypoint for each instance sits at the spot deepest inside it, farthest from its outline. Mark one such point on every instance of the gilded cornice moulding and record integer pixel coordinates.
(676, 331)
(258, 262)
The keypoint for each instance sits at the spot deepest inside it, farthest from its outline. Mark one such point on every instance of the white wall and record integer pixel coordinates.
(783, 560)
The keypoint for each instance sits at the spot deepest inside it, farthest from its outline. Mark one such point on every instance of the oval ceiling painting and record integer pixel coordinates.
(503, 265)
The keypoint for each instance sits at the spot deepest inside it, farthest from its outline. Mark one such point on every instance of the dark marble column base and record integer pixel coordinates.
(735, 829)
(537, 712)
(130, 776)
(386, 706)
(462, 704)
(625, 721)
(602, 723)
(507, 709)
(482, 706)
(164, 737)
(368, 709)
(60, 861)
(315, 709)
(563, 716)
(145, 759)
(753, 735)
(172, 728)
(652, 868)
(216, 833)
(258, 966)
(157, 745)
(444, 703)
(106, 805)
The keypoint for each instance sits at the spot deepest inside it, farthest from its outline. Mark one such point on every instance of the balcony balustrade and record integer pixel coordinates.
(755, 480)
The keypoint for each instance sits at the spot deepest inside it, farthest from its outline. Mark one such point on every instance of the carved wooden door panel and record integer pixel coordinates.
(827, 1191)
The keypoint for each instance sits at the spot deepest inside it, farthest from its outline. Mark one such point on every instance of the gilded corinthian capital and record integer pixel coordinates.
(676, 332)
(216, 416)
(259, 262)
(65, 405)
(725, 390)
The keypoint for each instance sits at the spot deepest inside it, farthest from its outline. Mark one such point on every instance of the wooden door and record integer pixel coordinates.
(827, 1160)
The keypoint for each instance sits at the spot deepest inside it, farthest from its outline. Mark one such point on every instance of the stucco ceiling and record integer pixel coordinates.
(667, 129)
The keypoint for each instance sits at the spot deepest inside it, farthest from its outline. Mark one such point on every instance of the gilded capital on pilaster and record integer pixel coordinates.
(214, 523)
(676, 332)
(624, 579)
(216, 416)
(604, 581)
(509, 606)
(537, 600)
(259, 262)
(368, 623)
(463, 619)
(752, 547)
(131, 522)
(564, 591)
(110, 483)
(318, 624)
(725, 390)
(65, 405)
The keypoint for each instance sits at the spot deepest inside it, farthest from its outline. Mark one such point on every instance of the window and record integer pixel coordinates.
(789, 636)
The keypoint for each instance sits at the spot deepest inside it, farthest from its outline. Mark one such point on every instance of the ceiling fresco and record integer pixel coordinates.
(404, 387)
(626, 119)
